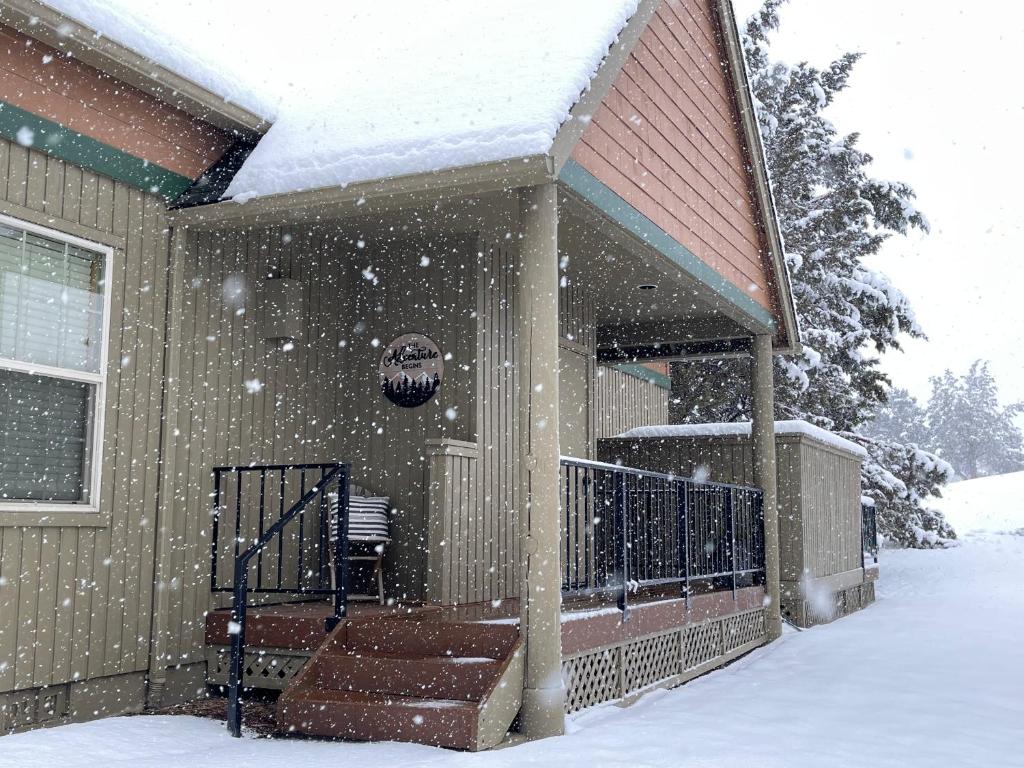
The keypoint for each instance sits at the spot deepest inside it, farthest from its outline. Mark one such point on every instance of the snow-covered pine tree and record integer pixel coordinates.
(901, 419)
(970, 428)
(833, 215)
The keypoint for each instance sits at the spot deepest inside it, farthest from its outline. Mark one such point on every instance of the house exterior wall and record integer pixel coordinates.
(625, 400)
(76, 587)
(48, 83)
(317, 400)
(667, 140)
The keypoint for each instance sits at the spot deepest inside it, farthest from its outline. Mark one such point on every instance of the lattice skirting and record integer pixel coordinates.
(272, 668)
(666, 658)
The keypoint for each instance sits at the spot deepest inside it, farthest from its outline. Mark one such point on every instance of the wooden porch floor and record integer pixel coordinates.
(586, 622)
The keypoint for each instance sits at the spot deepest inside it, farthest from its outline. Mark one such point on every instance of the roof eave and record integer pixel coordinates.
(53, 28)
(762, 184)
(396, 192)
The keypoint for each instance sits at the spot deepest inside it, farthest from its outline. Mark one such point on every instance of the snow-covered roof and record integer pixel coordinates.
(742, 428)
(364, 91)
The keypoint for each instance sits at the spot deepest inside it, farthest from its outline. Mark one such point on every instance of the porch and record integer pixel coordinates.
(663, 580)
(531, 299)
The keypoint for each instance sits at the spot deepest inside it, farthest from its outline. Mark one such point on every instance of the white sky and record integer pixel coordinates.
(938, 101)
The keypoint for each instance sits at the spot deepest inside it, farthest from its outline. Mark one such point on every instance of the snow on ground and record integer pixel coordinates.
(359, 91)
(990, 504)
(930, 675)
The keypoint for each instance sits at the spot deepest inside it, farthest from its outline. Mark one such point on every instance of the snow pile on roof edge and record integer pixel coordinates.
(742, 428)
(360, 92)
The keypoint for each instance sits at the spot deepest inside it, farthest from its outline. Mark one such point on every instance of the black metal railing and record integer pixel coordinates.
(868, 533)
(283, 512)
(625, 528)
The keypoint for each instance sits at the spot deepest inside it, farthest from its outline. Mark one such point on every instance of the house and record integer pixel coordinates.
(231, 299)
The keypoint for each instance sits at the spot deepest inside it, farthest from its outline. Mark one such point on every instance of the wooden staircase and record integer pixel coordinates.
(448, 684)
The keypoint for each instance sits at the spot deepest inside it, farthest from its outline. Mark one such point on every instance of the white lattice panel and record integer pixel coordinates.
(650, 660)
(702, 643)
(742, 629)
(591, 679)
(264, 668)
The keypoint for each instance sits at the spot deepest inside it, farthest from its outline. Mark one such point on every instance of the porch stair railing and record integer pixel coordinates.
(287, 555)
(625, 529)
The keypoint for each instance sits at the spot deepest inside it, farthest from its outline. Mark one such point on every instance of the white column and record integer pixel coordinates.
(537, 340)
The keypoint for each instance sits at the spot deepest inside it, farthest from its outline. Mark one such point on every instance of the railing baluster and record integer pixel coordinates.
(302, 530)
(732, 535)
(621, 556)
(238, 511)
(262, 525)
(280, 540)
(215, 533)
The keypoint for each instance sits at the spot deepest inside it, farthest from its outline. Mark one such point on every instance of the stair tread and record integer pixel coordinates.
(337, 696)
(370, 653)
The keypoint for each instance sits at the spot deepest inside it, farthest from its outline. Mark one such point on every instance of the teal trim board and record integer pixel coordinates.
(642, 372)
(55, 139)
(595, 192)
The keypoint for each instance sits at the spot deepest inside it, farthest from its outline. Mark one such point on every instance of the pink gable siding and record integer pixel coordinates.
(667, 139)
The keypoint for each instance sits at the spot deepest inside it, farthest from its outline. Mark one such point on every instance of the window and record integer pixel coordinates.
(54, 303)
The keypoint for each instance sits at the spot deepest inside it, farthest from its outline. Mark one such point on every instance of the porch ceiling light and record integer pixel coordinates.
(647, 287)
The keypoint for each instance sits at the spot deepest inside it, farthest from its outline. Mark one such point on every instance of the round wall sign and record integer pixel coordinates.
(411, 370)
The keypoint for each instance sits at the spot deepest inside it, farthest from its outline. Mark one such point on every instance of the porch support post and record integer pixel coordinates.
(763, 439)
(543, 711)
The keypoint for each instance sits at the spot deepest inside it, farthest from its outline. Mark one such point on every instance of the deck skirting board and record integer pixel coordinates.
(625, 670)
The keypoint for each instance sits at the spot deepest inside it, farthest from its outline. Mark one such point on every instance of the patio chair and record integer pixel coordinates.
(369, 530)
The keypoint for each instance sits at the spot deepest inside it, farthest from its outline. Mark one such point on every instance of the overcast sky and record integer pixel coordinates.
(939, 103)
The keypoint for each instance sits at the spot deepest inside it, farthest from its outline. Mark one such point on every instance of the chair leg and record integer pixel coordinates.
(379, 568)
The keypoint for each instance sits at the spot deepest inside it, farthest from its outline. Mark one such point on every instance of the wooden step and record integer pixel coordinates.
(459, 678)
(450, 684)
(380, 717)
(433, 638)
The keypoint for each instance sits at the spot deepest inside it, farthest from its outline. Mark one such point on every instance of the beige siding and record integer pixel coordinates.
(577, 344)
(457, 571)
(498, 417)
(319, 401)
(623, 401)
(75, 599)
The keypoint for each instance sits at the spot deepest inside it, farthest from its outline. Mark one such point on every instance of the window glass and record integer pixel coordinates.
(44, 437)
(51, 353)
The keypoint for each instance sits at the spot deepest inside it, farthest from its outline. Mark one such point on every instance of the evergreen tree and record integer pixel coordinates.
(970, 428)
(833, 215)
(901, 419)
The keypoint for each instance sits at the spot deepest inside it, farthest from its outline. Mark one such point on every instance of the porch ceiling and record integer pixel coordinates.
(677, 318)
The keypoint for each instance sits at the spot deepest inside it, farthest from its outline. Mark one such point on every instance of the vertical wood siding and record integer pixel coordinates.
(457, 567)
(667, 140)
(623, 401)
(75, 600)
(498, 417)
(244, 399)
(577, 350)
(819, 491)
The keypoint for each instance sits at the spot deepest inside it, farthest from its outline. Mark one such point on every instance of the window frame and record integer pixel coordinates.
(93, 471)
